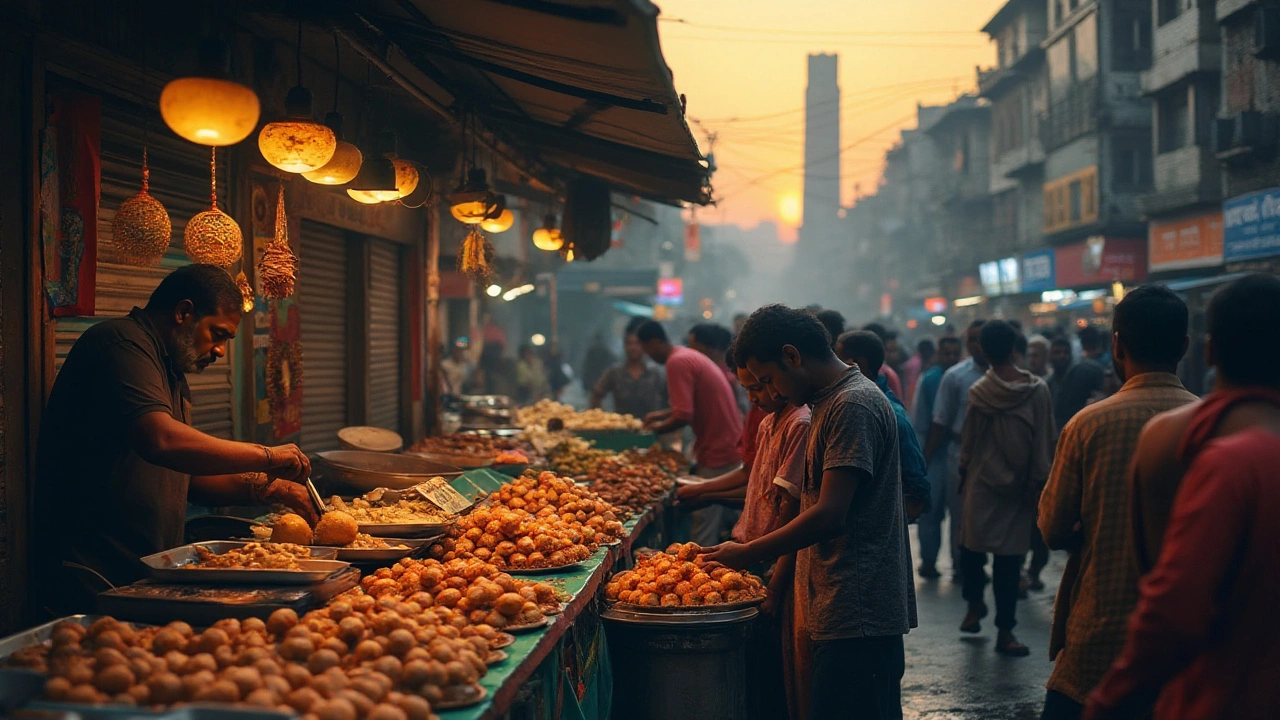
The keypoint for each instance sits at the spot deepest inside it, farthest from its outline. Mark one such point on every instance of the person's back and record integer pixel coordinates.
(716, 423)
(1081, 381)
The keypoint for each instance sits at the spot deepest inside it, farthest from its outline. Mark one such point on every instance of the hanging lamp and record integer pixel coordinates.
(298, 143)
(343, 167)
(278, 269)
(548, 236)
(208, 108)
(472, 202)
(502, 223)
(212, 237)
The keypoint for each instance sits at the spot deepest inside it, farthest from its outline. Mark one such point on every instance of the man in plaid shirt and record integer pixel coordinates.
(1085, 504)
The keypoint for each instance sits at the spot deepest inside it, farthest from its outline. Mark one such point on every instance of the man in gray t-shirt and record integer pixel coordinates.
(854, 585)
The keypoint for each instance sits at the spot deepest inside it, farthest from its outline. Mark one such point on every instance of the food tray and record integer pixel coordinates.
(683, 610)
(512, 469)
(171, 565)
(460, 696)
(541, 570)
(364, 555)
(405, 530)
(528, 627)
(38, 634)
(504, 639)
(496, 656)
(469, 462)
(206, 711)
(366, 471)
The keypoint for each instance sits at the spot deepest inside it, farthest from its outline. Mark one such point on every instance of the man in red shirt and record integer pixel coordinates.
(702, 399)
(1203, 642)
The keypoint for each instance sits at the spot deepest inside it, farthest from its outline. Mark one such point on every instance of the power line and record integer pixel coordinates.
(849, 33)
(845, 97)
(825, 43)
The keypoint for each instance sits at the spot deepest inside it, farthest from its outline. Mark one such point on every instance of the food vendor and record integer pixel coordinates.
(118, 459)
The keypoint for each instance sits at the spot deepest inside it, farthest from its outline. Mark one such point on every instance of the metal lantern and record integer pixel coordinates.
(212, 237)
(141, 228)
(279, 267)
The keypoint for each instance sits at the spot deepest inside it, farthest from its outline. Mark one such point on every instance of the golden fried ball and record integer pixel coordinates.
(291, 528)
(336, 528)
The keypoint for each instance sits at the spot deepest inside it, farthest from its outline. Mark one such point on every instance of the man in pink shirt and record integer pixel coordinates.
(702, 399)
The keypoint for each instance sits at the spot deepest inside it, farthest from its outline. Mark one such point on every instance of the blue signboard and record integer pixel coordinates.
(1037, 271)
(1251, 226)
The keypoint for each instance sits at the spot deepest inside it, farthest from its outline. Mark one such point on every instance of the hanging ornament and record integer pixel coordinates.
(279, 267)
(246, 292)
(212, 237)
(475, 257)
(141, 228)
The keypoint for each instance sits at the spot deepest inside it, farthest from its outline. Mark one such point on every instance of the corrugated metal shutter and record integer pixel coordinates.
(384, 334)
(322, 295)
(179, 180)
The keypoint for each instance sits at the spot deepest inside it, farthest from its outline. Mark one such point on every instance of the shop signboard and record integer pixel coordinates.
(1186, 242)
(989, 272)
(1000, 277)
(1100, 261)
(1251, 226)
(1037, 271)
(670, 291)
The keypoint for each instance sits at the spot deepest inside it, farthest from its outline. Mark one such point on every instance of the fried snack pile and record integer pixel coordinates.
(575, 456)
(631, 488)
(669, 460)
(535, 521)
(253, 556)
(403, 511)
(358, 658)
(595, 419)
(482, 446)
(368, 542)
(677, 578)
(473, 590)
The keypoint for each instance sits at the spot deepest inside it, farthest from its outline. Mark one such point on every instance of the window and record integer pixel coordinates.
(1057, 13)
(1168, 10)
(1131, 164)
(1086, 48)
(1174, 120)
(1131, 40)
(1061, 57)
(1074, 201)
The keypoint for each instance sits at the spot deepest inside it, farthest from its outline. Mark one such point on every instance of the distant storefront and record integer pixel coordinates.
(1192, 241)
(1251, 226)
(1038, 271)
(1100, 261)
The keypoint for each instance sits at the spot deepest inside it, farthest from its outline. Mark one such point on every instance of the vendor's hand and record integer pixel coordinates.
(733, 554)
(288, 462)
(772, 604)
(688, 492)
(293, 496)
(914, 508)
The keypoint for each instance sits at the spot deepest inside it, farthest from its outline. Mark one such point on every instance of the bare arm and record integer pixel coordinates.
(161, 440)
(672, 423)
(249, 489)
(730, 481)
(823, 521)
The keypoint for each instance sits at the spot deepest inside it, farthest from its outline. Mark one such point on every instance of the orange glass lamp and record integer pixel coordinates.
(474, 202)
(343, 167)
(502, 223)
(548, 236)
(298, 143)
(209, 108)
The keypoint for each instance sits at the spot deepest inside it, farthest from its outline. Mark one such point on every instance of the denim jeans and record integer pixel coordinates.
(857, 679)
(929, 525)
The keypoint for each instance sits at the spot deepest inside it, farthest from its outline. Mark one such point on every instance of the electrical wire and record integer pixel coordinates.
(825, 43)
(847, 33)
(845, 97)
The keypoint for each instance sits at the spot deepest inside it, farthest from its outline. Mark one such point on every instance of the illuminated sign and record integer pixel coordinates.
(670, 291)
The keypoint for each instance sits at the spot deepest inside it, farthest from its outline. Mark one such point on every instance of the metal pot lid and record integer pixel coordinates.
(372, 439)
(386, 463)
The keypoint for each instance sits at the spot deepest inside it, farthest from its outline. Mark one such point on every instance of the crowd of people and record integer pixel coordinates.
(1088, 445)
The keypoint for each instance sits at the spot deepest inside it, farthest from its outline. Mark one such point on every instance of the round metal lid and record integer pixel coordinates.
(372, 439)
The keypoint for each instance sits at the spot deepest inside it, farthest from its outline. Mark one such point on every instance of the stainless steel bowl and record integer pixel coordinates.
(365, 471)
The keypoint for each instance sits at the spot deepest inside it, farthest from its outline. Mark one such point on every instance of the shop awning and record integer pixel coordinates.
(579, 85)
(632, 283)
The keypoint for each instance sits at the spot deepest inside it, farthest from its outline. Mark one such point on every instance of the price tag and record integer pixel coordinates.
(442, 495)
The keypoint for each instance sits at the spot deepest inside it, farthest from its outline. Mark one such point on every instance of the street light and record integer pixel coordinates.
(493, 290)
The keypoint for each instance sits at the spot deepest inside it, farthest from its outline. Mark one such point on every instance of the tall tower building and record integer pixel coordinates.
(821, 153)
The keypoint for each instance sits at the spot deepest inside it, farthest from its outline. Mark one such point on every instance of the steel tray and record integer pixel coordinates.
(366, 471)
(405, 530)
(366, 555)
(174, 566)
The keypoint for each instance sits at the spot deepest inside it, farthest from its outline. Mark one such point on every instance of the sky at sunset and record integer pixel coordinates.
(742, 64)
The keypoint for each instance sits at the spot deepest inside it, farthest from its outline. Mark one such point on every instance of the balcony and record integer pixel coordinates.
(1017, 161)
(1186, 45)
(1074, 115)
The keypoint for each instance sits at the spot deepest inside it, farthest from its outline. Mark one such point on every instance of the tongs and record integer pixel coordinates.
(315, 497)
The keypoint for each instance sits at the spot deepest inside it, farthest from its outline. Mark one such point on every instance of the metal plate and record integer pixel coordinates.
(405, 530)
(218, 547)
(542, 570)
(366, 471)
(502, 640)
(364, 555)
(688, 610)
(630, 614)
(528, 627)
(460, 696)
(38, 634)
(496, 656)
(174, 566)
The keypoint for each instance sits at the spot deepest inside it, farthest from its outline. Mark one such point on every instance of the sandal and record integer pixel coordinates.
(971, 622)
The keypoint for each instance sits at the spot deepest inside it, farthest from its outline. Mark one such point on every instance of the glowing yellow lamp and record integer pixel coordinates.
(502, 223)
(208, 108)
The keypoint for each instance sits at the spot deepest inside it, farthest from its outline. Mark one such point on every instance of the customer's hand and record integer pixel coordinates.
(688, 492)
(288, 462)
(733, 554)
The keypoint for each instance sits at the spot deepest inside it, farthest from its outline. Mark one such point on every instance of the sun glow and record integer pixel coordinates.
(789, 209)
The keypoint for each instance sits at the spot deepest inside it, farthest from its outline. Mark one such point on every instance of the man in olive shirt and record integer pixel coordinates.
(117, 457)
(853, 567)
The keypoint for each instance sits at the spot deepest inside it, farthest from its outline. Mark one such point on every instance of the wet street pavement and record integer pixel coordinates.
(954, 676)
